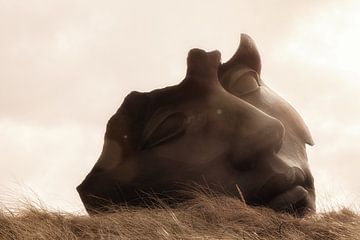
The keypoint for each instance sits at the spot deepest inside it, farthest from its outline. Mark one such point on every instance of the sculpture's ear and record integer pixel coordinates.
(202, 67)
(246, 54)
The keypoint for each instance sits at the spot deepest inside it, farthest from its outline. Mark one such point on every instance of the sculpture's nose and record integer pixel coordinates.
(256, 136)
(272, 135)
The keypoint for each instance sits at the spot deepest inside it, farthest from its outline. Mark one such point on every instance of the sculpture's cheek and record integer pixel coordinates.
(110, 156)
(126, 172)
(190, 153)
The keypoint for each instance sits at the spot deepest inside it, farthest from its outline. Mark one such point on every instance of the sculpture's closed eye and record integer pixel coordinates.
(162, 127)
(241, 85)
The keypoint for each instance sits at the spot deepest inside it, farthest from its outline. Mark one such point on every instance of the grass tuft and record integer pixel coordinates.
(204, 217)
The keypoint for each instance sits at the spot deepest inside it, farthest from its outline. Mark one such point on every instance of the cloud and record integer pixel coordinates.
(50, 161)
(60, 57)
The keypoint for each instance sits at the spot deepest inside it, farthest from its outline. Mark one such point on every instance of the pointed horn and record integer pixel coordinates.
(246, 54)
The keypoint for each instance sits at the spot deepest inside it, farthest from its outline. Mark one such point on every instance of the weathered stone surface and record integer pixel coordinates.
(221, 127)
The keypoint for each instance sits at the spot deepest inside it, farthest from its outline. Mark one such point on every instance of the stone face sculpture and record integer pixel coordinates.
(221, 126)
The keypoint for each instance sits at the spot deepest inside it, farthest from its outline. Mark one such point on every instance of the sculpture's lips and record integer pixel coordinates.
(294, 200)
(286, 192)
(281, 182)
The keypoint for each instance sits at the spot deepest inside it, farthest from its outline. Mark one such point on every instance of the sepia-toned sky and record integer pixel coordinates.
(65, 67)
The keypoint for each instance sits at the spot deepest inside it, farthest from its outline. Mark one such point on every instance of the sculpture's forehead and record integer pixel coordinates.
(144, 104)
(138, 107)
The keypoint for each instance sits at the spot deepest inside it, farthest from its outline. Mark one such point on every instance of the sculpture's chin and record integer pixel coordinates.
(296, 200)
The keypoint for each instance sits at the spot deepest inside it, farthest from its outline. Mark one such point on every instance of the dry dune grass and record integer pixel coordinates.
(206, 217)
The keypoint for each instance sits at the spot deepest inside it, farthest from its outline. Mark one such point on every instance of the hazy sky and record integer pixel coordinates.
(65, 67)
